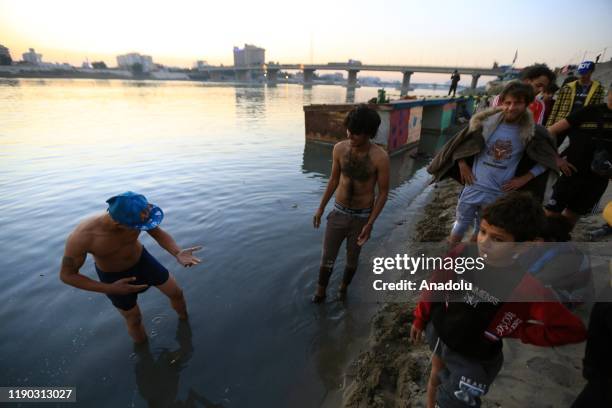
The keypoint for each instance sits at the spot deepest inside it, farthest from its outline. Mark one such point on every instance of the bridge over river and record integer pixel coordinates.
(271, 71)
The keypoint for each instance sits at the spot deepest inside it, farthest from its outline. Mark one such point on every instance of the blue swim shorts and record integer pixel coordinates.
(148, 271)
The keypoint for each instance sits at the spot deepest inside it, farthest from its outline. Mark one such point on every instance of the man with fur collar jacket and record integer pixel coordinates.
(501, 150)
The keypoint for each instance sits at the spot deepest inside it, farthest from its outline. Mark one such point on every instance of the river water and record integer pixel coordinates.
(230, 167)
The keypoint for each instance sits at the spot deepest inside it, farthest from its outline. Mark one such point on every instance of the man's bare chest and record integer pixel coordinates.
(358, 167)
(109, 245)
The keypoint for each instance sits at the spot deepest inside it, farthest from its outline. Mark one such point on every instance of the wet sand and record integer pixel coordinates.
(392, 372)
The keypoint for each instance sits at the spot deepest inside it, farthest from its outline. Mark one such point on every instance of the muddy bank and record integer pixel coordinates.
(393, 373)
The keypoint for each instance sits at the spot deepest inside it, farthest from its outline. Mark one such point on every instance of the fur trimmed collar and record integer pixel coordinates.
(489, 120)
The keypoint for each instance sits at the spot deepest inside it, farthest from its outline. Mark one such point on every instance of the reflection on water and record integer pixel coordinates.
(350, 95)
(9, 82)
(140, 84)
(307, 96)
(250, 102)
(158, 377)
(332, 348)
(230, 168)
(317, 159)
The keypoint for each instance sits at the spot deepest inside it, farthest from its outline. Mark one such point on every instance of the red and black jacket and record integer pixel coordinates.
(542, 323)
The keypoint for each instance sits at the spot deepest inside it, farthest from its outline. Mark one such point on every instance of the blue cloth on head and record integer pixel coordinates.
(126, 209)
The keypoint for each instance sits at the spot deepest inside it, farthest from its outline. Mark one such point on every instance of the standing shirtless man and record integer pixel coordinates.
(124, 266)
(358, 166)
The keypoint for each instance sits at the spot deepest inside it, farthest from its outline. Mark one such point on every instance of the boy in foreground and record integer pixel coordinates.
(465, 329)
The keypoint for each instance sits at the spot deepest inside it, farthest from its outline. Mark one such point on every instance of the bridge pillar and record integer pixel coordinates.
(406, 83)
(474, 80)
(243, 75)
(272, 75)
(308, 75)
(352, 78)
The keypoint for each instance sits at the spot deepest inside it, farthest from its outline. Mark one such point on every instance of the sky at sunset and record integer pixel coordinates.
(177, 33)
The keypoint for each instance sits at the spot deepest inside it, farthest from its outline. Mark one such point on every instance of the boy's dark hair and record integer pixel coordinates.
(552, 88)
(518, 90)
(557, 228)
(362, 120)
(517, 213)
(537, 70)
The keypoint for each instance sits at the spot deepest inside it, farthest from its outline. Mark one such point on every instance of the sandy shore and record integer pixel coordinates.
(393, 373)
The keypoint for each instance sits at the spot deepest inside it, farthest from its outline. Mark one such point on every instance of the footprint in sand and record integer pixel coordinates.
(557, 373)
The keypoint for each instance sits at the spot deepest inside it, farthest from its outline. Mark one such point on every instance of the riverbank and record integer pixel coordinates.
(393, 372)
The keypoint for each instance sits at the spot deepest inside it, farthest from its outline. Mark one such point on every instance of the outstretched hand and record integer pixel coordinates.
(185, 256)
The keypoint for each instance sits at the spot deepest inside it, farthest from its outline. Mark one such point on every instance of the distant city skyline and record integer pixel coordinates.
(395, 32)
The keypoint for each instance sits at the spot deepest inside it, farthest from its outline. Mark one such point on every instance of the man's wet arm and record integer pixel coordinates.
(165, 240)
(72, 263)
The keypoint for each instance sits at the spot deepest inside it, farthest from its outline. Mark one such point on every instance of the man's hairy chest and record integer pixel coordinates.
(357, 167)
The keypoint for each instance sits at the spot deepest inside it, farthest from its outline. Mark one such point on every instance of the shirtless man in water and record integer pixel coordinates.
(124, 266)
(358, 166)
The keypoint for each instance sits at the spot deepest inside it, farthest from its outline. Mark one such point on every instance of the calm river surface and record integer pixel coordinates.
(230, 167)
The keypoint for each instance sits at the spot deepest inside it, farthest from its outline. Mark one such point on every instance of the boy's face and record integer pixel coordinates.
(356, 140)
(513, 108)
(495, 244)
(538, 84)
(144, 214)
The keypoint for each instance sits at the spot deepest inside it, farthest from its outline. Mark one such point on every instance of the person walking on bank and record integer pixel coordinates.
(358, 166)
(455, 78)
(124, 266)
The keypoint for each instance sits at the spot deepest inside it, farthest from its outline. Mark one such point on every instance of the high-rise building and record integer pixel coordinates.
(249, 56)
(32, 57)
(127, 61)
(201, 65)
(5, 56)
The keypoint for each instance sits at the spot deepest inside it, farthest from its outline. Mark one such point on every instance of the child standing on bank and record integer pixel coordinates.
(466, 328)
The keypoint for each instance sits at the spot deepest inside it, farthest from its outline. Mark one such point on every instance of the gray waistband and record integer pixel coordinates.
(361, 213)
